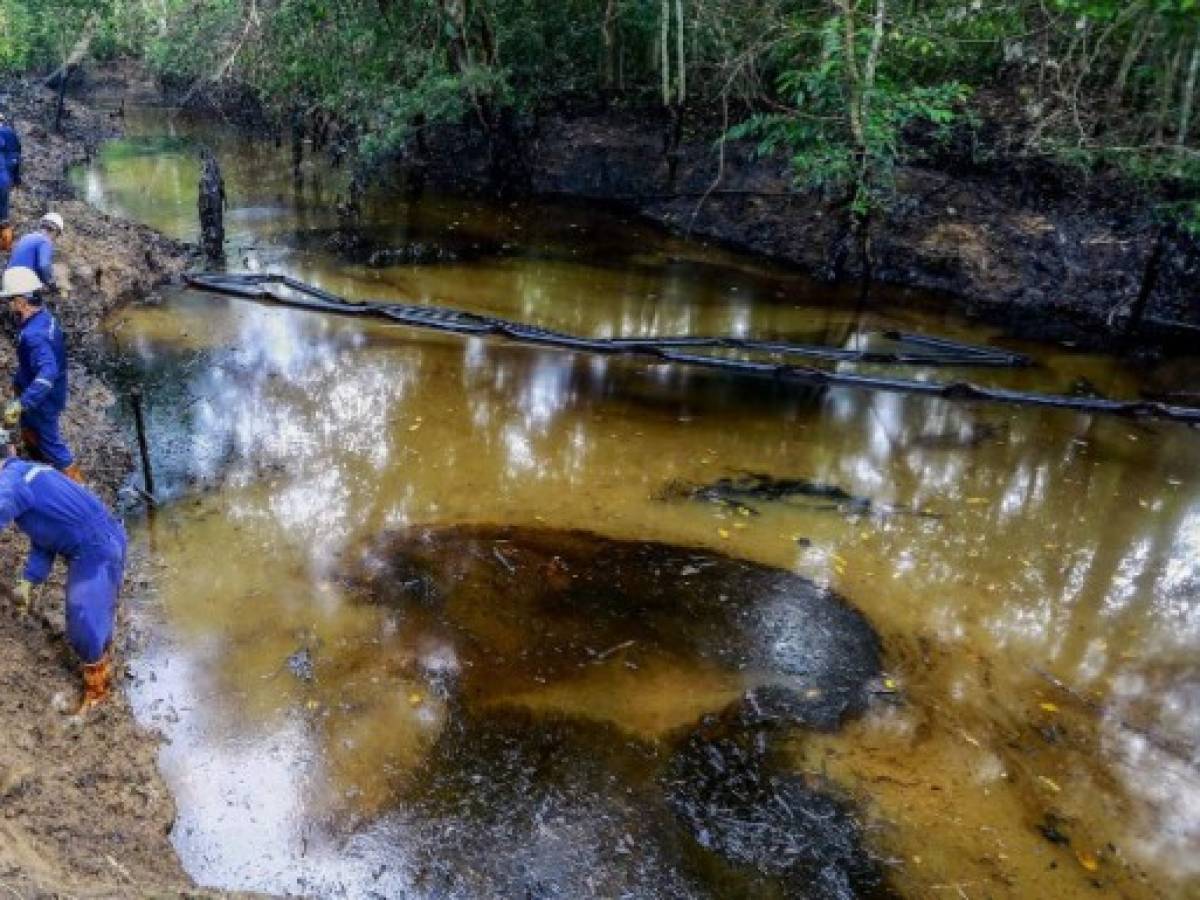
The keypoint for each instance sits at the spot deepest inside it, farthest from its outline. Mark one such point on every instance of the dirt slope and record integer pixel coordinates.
(83, 809)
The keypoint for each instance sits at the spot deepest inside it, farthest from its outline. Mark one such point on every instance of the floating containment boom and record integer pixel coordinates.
(910, 349)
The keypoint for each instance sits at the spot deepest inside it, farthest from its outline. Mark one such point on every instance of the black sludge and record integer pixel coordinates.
(800, 841)
(520, 799)
(530, 606)
(512, 804)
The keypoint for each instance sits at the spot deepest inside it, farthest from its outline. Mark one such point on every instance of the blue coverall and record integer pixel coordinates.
(35, 251)
(10, 149)
(10, 169)
(65, 519)
(41, 385)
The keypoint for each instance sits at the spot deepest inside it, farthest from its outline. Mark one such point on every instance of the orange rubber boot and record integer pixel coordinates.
(97, 683)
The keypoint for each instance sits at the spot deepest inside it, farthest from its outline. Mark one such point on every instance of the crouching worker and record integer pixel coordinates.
(40, 381)
(62, 518)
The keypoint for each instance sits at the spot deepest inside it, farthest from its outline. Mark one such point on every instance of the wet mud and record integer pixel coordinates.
(83, 809)
(590, 809)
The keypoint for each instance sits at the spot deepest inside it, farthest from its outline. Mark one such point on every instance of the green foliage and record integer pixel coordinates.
(1095, 82)
(38, 35)
(817, 130)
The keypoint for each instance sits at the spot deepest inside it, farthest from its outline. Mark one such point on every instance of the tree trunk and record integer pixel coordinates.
(62, 97)
(850, 64)
(1149, 282)
(608, 34)
(1189, 94)
(78, 52)
(1137, 41)
(1168, 91)
(665, 42)
(297, 143)
(860, 85)
(872, 64)
(211, 207)
(865, 203)
(680, 54)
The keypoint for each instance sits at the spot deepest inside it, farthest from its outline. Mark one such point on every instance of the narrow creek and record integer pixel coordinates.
(436, 616)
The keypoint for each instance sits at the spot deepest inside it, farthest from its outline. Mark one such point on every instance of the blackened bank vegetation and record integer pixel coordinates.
(1035, 157)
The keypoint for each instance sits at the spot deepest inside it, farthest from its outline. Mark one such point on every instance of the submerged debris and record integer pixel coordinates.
(300, 664)
(742, 490)
(969, 437)
(737, 803)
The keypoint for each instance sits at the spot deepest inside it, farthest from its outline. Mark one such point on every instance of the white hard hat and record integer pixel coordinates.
(52, 219)
(19, 281)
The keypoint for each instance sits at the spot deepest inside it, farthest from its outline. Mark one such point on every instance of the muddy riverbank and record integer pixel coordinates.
(1047, 252)
(83, 810)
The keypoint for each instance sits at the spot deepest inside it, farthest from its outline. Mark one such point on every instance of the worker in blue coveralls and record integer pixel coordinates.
(36, 250)
(62, 518)
(10, 176)
(40, 382)
(10, 149)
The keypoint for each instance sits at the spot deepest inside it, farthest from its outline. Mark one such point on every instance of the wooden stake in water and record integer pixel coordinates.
(135, 397)
(211, 207)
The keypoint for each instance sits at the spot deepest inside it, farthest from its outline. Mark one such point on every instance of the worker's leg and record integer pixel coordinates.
(30, 439)
(91, 605)
(44, 443)
(93, 588)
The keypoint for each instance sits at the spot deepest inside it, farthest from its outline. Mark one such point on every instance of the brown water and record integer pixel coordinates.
(1040, 633)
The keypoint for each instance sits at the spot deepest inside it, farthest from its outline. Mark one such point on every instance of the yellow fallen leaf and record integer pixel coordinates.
(1050, 784)
(414, 699)
(414, 427)
(839, 561)
(975, 501)
(742, 511)
(889, 683)
(740, 525)
(723, 532)
(1049, 707)
(1087, 860)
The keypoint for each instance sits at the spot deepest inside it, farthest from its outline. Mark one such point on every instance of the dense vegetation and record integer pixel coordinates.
(841, 85)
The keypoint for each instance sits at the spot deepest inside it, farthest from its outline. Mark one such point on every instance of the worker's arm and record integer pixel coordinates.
(14, 498)
(45, 367)
(37, 567)
(44, 265)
